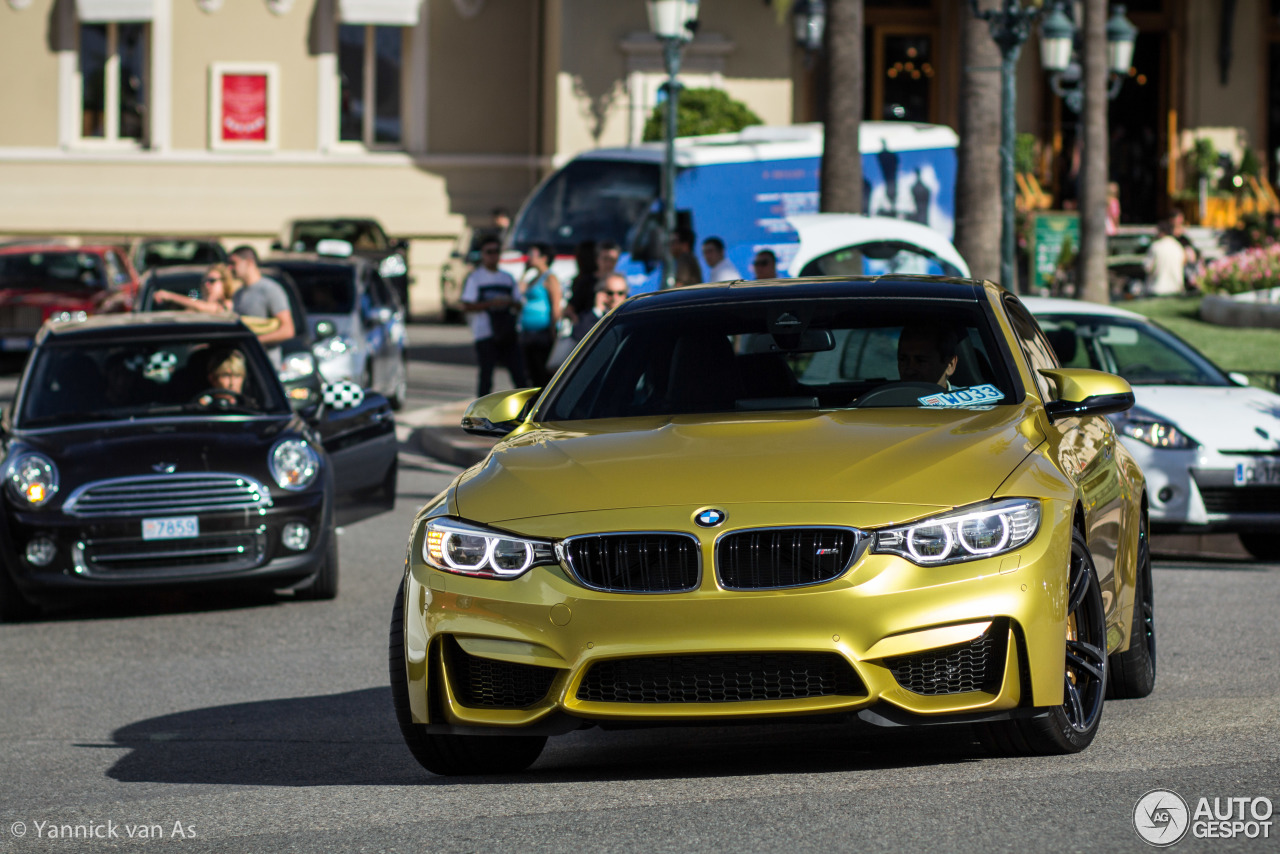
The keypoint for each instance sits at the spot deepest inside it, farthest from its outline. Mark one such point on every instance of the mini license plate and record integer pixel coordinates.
(1258, 473)
(171, 528)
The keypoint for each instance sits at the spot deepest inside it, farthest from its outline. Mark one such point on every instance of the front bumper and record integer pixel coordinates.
(972, 639)
(1198, 490)
(233, 547)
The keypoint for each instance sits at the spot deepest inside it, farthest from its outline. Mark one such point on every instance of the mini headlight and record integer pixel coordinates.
(31, 479)
(467, 549)
(294, 464)
(1157, 434)
(983, 530)
(392, 266)
(331, 348)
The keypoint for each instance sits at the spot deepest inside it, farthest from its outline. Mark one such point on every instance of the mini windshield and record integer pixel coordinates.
(124, 380)
(1142, 353)
(587, 200)
(786, 355)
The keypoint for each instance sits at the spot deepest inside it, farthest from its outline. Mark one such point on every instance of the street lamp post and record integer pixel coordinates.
(1010, 27)
(1057, 44)
(673, 22)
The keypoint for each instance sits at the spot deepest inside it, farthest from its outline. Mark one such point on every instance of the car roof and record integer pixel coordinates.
(141, 325)
(826, 287)
(1057, 305)
(823, 233)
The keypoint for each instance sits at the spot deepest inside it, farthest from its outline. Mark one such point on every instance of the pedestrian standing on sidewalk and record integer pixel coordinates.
(262, 296)
(491, 301)
(582, 288)
(540, 314)
(720, 268)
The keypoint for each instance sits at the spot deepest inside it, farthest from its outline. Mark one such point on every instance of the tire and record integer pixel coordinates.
(451, 755)
(14, 607)
(324, 584)
(1261, 546)
(1071, 727)
(1133, 672)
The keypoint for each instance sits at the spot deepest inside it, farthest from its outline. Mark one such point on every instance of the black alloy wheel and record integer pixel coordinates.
(1071, 727)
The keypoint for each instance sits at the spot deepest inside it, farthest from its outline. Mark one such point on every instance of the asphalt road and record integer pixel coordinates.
(219, 724)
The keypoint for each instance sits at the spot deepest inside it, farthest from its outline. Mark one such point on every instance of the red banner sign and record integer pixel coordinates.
(244, 108)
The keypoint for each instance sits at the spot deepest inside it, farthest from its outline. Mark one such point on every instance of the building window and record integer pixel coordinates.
(370, 71)
(113, 78)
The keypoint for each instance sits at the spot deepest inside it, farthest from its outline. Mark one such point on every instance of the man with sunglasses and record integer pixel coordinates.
(765, 264)
(492, 301)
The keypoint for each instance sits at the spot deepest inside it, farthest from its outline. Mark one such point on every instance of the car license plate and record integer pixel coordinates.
(171, 528)
(1258, 473)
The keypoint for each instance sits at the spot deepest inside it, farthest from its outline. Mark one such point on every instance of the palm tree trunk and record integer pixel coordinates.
(978, 170)
(841, 182)
(1092, 266)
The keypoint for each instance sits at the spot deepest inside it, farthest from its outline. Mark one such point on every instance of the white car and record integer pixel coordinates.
(855, 245)
(1208, 442)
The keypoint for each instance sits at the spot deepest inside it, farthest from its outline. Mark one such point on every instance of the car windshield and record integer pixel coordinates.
(45, 268)
(785, 355)
(169, 253)
(361, 235)
(1141, 352)
(108, 381)
(325, 289)
(587, 200)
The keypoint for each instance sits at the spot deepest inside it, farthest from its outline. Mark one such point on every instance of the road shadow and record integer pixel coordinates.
(114, 605)
(351, 739)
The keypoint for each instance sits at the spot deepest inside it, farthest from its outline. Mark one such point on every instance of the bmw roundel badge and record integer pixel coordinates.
(710, 518)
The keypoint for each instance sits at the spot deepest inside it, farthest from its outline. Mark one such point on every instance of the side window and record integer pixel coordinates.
(1035, 347)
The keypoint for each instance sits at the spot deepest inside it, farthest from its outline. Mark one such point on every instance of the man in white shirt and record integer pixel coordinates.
(491, 300)
(721, 268)
(1165, 263)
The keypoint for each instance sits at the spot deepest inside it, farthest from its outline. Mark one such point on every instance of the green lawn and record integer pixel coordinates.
(1234, 349)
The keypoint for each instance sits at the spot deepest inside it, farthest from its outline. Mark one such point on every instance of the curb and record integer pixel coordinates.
(436, 432)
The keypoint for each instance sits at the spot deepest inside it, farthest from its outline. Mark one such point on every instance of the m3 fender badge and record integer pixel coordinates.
(709, 517)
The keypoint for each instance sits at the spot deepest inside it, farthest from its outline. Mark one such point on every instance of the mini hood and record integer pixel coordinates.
(901, 456)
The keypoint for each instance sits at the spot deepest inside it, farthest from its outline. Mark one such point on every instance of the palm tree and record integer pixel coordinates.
(1094, 166)
(841, 183)
(978, 170)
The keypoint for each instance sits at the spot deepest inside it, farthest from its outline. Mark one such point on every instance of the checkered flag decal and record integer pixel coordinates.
(343, 395)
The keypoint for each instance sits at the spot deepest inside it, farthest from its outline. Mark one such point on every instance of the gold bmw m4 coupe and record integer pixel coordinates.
(875, 499)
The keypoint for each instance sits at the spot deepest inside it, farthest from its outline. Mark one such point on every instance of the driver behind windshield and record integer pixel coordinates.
(226, 378)
(927, 354)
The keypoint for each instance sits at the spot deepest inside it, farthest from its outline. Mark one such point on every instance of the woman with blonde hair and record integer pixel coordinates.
(218, 287)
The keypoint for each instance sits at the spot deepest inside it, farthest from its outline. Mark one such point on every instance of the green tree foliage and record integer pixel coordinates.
(700, 112)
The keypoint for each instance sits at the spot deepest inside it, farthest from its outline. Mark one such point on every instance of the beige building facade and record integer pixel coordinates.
(229, 117)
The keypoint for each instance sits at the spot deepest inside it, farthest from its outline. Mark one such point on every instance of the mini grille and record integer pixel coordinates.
(168, 494)
(488, 684)
(1241, 499)
(635, 563)
(784, 557)
(733, 678)
(972, 666)
(234, 551)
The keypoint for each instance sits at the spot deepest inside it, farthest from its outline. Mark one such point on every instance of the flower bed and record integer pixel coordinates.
(1253, 269)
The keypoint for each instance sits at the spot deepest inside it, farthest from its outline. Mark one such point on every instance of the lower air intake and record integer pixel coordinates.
(973, 666)
(732, 678)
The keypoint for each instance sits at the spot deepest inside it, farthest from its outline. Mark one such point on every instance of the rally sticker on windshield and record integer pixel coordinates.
(977, 395)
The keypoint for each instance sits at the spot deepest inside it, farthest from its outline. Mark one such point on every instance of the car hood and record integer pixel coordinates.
(122, 449)
(1236, 418)
(903, 456)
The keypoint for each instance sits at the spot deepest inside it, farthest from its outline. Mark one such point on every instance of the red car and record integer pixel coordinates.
(43, 281)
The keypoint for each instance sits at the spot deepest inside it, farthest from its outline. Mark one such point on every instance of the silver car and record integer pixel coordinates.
(357, 320)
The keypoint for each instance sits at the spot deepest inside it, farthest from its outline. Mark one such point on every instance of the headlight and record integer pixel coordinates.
(31, 479)
(331, 348)
(467, 549)
(296, 366)
(294, 464)
(975, 532)
(392, 266)
(1156, 433)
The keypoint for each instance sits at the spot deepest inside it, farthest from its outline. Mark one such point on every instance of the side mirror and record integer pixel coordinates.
(1085, 392)
(499, 413)
(378, 316)
(1238, 378)
(342, 395)
(325, 329)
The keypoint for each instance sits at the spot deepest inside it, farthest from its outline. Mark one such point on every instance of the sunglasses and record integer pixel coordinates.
(616, 293)
(213, 280)
(491, 252)
(761, 263)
